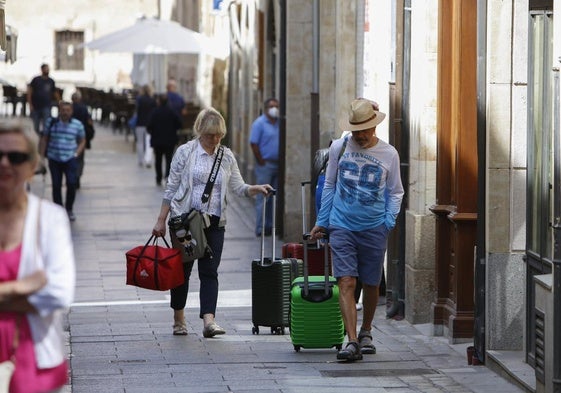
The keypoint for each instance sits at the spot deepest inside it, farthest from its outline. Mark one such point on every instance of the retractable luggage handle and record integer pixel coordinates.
(304, 230)
(304, 226)
(273, 194)
(306, 239)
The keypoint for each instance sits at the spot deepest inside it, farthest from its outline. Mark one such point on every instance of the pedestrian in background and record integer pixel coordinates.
(163, 127)
(360, 202)
(40, 93)
(37, 273)
(175, 100)
(81, 113)
(190, 169)
(145, 105)
(62, 142)
(264, 142)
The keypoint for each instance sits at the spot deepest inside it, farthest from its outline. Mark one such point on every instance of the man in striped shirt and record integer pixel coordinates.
(62, 141)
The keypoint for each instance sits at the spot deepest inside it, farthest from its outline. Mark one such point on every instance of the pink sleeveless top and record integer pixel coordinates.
(27, 378)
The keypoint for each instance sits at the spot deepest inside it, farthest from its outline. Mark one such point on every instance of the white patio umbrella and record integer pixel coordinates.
(156, 36)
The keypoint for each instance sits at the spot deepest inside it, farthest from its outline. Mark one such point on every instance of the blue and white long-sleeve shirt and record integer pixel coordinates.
(362, 187)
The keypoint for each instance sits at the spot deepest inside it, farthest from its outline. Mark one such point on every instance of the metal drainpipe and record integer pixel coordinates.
(314, 101)
(480, 251)
(315, 47)
(556, 378)
(397, 308)
(282, 117)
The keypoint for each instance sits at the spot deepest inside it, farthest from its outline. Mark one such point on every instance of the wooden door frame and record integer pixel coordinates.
(456, 177)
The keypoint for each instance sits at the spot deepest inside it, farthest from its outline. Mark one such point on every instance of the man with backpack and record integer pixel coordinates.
(360, 202)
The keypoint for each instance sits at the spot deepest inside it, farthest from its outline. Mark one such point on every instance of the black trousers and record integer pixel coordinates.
(159, 152)
(208, 272)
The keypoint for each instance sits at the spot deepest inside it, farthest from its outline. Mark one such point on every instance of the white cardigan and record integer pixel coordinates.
(54, 253)
(178, 192)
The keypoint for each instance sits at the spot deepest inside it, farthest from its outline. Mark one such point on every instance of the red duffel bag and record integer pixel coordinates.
(154, 267)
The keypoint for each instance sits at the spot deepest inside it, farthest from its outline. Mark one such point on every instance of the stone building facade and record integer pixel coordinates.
(463, 88)
(53, 35)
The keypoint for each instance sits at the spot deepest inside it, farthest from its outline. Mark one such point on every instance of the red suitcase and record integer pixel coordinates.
(315, 256)
(315, 251)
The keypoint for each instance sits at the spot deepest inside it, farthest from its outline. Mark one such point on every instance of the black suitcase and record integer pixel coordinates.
(271, 280)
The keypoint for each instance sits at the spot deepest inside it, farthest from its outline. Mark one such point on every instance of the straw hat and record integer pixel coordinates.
(362, 116)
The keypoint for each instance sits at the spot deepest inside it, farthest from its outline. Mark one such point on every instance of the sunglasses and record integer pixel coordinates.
(15, 157)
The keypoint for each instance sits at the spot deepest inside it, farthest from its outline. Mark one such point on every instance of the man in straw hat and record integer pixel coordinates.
(360, 202)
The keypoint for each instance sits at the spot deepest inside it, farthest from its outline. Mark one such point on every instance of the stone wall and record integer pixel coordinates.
(420, 222)
(506, 173)
(336, 86)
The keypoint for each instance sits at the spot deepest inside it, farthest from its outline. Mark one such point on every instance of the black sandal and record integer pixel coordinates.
(350, 353)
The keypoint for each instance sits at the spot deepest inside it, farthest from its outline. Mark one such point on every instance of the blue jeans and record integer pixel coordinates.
(70, 170)
(266, 174)
(208, 272)
(39, 117)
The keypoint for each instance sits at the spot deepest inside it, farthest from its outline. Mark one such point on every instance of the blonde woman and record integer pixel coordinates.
(189, 173)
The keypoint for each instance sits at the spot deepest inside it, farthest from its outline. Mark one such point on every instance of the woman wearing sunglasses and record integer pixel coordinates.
(36, 270)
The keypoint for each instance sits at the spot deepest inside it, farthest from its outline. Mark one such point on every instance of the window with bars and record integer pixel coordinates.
(69, 55)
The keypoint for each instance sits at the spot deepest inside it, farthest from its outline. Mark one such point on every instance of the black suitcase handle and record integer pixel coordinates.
(272, 194)
(304, 226)
(304, 212)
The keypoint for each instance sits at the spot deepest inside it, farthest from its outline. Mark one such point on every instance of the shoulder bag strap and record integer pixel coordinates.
(342, 151)
(213, 174)
(343, 148)
(52, 124)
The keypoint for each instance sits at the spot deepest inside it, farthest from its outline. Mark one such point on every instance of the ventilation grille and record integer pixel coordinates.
(540, 346)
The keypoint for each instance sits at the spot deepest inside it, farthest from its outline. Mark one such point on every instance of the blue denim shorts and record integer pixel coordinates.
(359, 254)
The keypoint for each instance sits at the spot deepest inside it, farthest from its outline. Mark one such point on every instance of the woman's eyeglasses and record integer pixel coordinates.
(15, 157)
(212, 136)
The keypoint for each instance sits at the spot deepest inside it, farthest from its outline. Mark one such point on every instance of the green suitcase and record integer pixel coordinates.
(315, 315)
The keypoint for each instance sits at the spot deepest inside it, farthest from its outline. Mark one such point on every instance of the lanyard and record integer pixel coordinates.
(213, 174)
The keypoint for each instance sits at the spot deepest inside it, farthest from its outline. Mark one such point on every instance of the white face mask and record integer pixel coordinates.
(273, 112)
